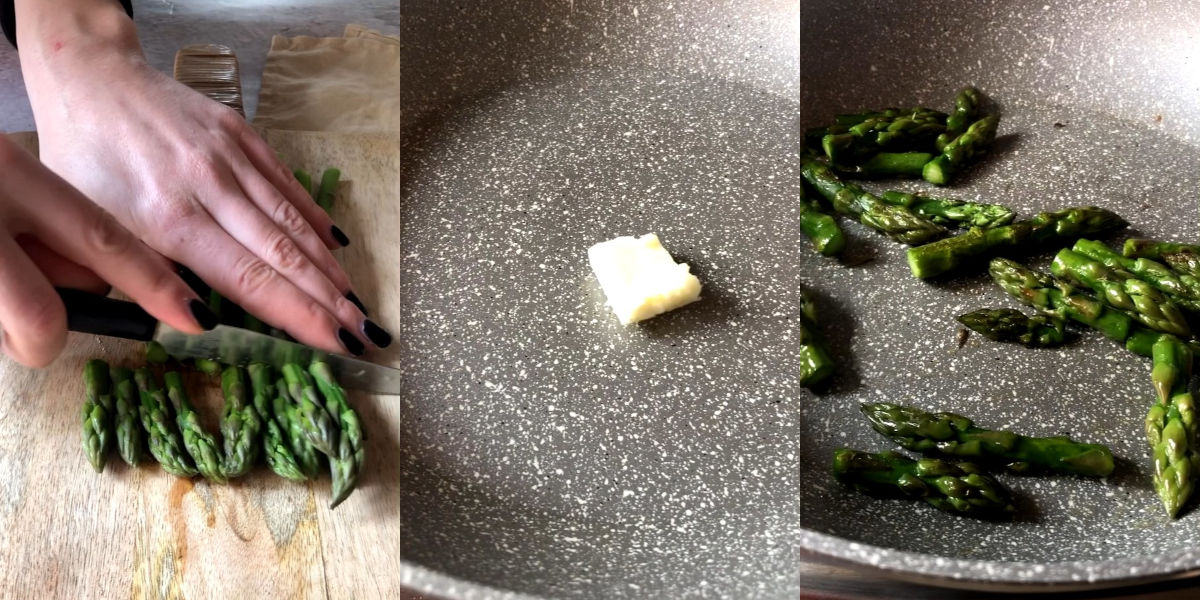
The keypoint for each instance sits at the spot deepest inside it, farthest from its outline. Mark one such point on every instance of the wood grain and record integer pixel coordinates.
(72, 533)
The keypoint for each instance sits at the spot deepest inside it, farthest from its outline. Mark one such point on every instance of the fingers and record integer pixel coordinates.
(85, 234)
(287, 218)
(281, 178)
(32, 315)
(273, 246)
(60, 271)
(238, 274)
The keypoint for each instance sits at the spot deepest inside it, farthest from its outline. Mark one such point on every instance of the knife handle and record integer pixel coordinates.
(89, 313)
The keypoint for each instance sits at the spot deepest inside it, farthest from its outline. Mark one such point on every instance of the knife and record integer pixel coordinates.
(99, 315)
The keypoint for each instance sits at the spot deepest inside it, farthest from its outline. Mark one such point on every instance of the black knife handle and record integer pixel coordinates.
(89, 313)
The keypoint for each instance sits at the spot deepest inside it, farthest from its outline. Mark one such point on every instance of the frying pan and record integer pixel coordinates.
(546, 450)
(1099, 106)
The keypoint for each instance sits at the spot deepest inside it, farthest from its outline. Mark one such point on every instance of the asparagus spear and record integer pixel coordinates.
(948, 211)
(1183, 258)
(816, 364)
(907, 132)
(1123, 291)
(315, 423)
(1171, 424)
(276, 449)
(97, 412)
(166, 445)
(949, 434)
(346, 464)
(966, 108)
(288, 417)
(131, 437)
(824, 232)
(199, 443)
(329, 183)
(1184, 290)
(155, 353)
(1010, 325)
(961, 250)
(851, 199)
(888, 164)
(961, 150)
(957, 487)
(240, 425)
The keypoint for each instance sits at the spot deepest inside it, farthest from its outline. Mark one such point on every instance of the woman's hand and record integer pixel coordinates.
(184, 173)
(51, 235)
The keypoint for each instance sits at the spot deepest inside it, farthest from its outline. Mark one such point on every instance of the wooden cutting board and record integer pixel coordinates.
(69, 532)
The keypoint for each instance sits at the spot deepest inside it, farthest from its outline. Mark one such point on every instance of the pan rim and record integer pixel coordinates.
(1002, 576)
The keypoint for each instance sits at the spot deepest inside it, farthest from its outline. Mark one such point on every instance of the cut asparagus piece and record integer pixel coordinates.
(966, 109)
(1183, 258)
(288, 416)
(200, 444)
(240, 425)
(131, 437)
(822, 229)
(957, 487)
(346, 463)
(1010, 325)
(327, 189)
(962, 250)
(1122, 291)
(164, 441)
(888, 164)
(960, 151)
(1171, 424)
(1183, 290)
(97, 413)
(315, 423)
(847, 198)
(951, 212)
(816, 364)
(949, 434)
(276, 448)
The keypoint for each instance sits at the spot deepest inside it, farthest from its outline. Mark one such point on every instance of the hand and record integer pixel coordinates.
(184, 173)
(51, 235)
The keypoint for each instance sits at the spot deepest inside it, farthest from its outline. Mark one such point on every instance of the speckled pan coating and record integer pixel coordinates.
(1100, 106)
(546, 449)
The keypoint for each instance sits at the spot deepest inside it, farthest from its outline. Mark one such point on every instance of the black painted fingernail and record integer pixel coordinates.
(376, 334)
(349, 342)
(202, 314)
(340, 236)
(353, 298)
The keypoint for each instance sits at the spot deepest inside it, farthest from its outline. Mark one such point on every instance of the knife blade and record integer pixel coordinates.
(99, 315)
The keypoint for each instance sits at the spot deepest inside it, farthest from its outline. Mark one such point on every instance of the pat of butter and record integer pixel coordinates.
(640, 279)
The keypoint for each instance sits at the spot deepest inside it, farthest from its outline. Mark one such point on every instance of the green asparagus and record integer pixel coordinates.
(315, 423)
(200, 444)
(888, 164)
(305, 180)
(966, 109)
(327, 189)
(97, 416)
(346, 463)
(240, 425)
(822, 229)
(913, 132)
(1122, 291)
(895, 221)
(165, 443)
(949, 434)
(1171, 424)
(1183, 258)
(1184, 290)
(288, 416)
(276, 449)
(1010, 325)
(131, 437)
(951, 212)
(952, 253)
(156, 353)
(816, 364)
(957, 487)
(961, 150)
